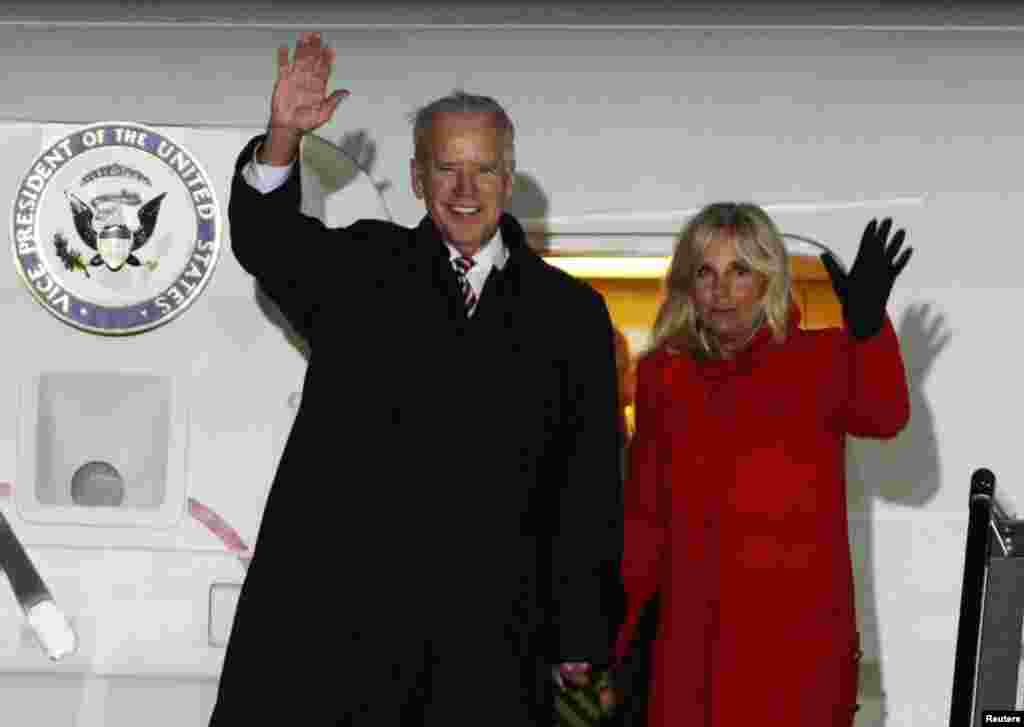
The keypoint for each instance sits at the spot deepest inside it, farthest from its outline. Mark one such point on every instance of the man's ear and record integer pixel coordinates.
(510, 187)
(417, 182)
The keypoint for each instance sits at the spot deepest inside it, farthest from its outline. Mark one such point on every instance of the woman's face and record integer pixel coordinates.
(727, 294)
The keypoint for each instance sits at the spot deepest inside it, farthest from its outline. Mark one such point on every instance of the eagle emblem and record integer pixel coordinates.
(115, 225)
(115, 228)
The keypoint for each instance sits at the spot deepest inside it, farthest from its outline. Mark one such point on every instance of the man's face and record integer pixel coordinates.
(464, 180)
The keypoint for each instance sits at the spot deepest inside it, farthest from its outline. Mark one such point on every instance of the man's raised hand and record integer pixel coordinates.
(300, 102)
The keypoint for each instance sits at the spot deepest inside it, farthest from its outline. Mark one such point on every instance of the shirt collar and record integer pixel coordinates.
(493, 252)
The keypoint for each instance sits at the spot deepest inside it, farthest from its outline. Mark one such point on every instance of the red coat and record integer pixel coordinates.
(736, 511)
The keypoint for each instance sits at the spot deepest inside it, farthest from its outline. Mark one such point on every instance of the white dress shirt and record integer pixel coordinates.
(265, 178)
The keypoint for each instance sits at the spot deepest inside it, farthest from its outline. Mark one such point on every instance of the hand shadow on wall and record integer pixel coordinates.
(904, 471)
(338, 164)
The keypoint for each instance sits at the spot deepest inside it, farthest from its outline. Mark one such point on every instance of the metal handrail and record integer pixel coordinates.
(972, 598)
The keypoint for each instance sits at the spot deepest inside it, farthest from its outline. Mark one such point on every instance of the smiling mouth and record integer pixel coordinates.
(462, 211)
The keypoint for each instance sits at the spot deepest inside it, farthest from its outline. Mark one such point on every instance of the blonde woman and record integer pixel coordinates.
(736, 502)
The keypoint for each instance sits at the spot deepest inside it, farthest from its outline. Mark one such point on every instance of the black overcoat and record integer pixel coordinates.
(447, 507)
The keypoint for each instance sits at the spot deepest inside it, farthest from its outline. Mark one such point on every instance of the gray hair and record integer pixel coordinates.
(460, 102)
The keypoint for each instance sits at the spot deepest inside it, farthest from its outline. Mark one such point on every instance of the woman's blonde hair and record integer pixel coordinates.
(758, 243)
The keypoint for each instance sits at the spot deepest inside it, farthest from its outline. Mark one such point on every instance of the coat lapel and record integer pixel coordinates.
(433, 255)
(500, 303)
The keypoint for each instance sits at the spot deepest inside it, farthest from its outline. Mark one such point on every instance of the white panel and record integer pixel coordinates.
(40, 700)
(133, 422)
(67, 700)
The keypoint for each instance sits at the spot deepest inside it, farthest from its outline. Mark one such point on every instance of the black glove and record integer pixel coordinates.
(864, 291)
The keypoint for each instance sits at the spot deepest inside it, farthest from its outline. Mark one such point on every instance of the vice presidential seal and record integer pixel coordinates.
(115, 228)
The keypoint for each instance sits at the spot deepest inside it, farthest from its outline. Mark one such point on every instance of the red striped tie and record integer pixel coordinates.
(462, 266)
